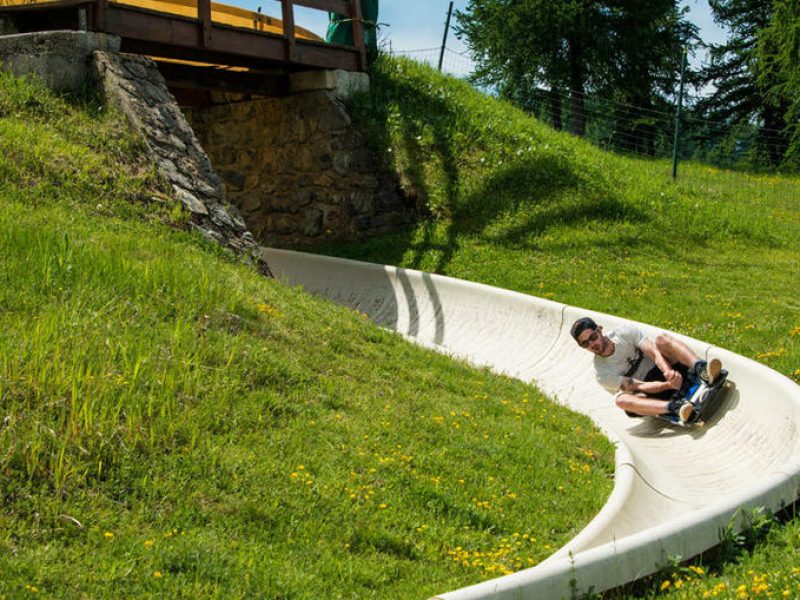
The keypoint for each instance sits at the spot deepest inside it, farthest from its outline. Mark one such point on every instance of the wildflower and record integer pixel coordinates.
(665, 584)
(148, 543)
(108, 535)
(157, 574)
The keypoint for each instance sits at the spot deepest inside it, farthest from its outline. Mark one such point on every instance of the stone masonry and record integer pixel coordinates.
(298, 170)
(62, 59)
(68, 61)
(292, 170)
(134, 85)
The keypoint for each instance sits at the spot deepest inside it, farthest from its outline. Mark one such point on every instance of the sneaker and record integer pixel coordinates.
(709, 371)
(686, 412)
(681, 408)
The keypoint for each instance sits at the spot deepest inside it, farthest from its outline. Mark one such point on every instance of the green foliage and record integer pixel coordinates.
(747, 87)
(779, 50)
(174, 425)
(628, 51)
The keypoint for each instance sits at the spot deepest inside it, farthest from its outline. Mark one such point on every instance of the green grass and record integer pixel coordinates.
(174, 425)
(513, 204)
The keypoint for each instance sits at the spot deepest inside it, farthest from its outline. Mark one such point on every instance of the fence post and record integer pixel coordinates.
(678, 108)
(444, 37)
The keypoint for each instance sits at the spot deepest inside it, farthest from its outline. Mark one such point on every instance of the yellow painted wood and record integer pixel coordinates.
(222, 14)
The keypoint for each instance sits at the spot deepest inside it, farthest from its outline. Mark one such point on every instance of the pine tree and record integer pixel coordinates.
(742, 83)
(538, 51)
(779, 72)
(520, 46)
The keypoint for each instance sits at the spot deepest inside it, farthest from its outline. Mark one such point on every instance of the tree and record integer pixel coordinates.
(779, 61)
(745, 87)
(521, 45)
(645, 50)
(627, 50)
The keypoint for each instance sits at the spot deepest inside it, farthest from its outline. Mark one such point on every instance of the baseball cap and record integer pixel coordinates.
(581, 325)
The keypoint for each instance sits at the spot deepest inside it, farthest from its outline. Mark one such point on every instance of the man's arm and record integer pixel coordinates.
(674, 379)
(629, 384)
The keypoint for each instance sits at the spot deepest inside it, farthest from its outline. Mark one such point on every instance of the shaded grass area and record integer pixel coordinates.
(511, 203)
(174, 425)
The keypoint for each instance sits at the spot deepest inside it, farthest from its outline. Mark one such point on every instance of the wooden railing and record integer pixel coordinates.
(199, 35)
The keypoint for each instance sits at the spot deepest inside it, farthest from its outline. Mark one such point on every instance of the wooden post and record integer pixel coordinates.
(287, 7)
(101, 11)
(358, 33)
(204, 18)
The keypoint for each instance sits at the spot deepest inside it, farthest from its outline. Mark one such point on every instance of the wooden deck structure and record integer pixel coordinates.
(202, 45)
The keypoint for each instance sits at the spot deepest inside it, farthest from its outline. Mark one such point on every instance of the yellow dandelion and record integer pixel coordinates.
(665, 584)
(157, 574)
(148, 543)
(108, 535)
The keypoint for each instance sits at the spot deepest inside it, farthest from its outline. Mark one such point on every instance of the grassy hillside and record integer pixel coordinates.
(516, 205)
(174, 425)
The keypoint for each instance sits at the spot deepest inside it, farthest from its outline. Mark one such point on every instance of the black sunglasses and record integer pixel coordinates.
(585, 343)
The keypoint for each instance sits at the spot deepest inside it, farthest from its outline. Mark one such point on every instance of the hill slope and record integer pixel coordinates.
(172, 424)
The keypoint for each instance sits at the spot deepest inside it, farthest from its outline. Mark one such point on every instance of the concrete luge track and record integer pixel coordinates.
(675, 489)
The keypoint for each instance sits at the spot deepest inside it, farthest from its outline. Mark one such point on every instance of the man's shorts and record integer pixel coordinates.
(655, 374)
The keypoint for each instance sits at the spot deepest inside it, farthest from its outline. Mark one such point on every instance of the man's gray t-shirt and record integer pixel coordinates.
(611, 370)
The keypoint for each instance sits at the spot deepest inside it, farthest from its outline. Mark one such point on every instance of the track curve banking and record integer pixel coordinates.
(675, 489)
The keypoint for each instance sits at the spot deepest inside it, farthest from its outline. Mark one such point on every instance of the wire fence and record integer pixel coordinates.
(457, 64)
(742, 163)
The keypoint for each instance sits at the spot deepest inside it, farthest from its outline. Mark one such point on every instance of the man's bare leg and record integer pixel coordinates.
(675, 351)
(642, 405)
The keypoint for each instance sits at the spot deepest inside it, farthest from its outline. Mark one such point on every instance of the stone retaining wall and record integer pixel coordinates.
(61, 58)
(295, 166)
(134, 85)
(298, 170)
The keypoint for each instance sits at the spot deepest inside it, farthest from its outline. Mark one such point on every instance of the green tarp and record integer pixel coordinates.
(340, 29)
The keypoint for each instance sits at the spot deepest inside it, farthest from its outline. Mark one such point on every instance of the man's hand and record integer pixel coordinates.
(673, 378)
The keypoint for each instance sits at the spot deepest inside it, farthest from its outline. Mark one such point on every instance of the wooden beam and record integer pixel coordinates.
(287, 10)
(341, 7)
(358, 33)
(190, 77)
(100, 15)
(204, 17)
(172, 36)
(44, 6)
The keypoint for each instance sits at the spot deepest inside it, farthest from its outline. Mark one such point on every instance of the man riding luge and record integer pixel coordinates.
(649, 377)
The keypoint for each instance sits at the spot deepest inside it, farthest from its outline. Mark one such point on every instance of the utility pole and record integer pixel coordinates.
(678, 119)
(444, 37)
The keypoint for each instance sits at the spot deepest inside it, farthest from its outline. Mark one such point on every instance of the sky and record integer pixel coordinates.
(414, 25)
